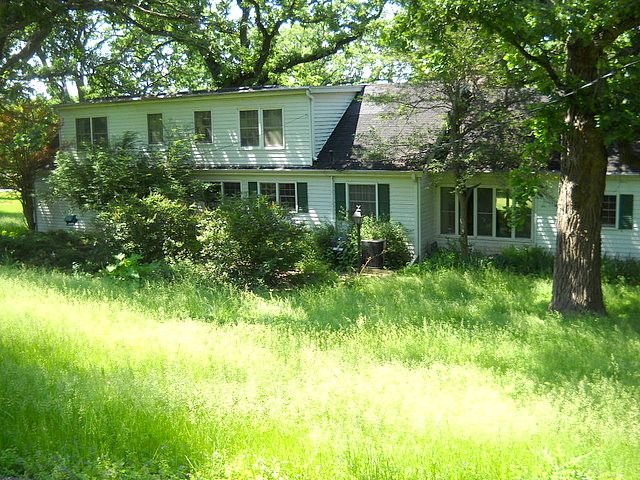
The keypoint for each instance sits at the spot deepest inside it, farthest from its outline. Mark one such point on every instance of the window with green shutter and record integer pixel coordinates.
(341, 200)
(303, 198)
(625, 219)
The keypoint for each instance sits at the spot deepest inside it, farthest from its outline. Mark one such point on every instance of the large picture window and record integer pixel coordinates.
(488, 214)
(262, 128)
(91, 131)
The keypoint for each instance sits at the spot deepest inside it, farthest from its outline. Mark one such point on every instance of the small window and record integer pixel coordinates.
(155, 128)
(447, 211)
(231, 189)
(365, 197)
(287, 195)
(608, 215)
(215, 191)
(249, 128)
(92, 131)
(269, 190)
(273, 129)
(202, 121)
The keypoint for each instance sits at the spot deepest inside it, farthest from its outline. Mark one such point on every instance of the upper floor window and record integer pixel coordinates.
(91, 131)
(155, 128)
(262, 128)
(487, 214)
(202, 121)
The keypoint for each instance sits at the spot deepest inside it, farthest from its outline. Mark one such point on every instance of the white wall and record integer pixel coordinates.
(615, 242)
(328, 109)
(225, 150)
(50, 213)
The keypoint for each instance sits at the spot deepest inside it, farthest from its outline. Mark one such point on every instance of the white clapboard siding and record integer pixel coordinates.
(50, 212)
(615, 242)
(178, 113)
(320, 187)
(328, 109)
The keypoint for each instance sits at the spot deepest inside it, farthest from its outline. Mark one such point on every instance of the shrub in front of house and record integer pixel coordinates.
(251, 241)
(155, 227)
(339, 244)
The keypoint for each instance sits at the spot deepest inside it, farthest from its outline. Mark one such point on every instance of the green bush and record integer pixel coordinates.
(250, 241)
(155, 227)
(618, 270)
(61, 250)
(525, 260)
(338, 245)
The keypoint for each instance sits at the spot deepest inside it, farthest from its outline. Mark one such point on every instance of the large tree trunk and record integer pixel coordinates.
(576, 278)
(28, 209)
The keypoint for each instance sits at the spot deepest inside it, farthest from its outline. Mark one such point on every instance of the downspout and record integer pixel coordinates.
(312, 137)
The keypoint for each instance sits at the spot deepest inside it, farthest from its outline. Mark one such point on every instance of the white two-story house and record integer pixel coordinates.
(306, 148)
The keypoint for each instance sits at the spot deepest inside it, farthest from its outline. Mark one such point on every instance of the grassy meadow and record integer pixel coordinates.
(424, 374)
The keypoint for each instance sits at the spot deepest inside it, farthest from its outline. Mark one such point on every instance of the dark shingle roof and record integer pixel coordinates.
(369, 122)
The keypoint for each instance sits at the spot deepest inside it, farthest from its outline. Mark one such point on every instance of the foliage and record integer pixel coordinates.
(155, 227)
(27, 131)
(338, 245)
(467, 372)
(60, 250)
(100, 175)
(250, 241)
(130, 267)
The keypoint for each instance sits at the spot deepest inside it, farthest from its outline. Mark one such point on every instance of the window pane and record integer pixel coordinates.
(485, 211)
(447, 211)
(269, 190)
(470, 213)
(273, 131)
(524, 231)
(502, 203)
(287, 194)
(154, 126)
(365, 196)
(231, 189)
(99, 130)
(608, 215)
(212, 194)
(202, 122)
(83, 131)
(249, 131)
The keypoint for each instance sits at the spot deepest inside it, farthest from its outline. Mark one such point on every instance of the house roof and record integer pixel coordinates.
(369, 122)
(209, 93)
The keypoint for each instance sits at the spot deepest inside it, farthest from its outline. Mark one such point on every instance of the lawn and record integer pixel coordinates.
(439, 374)
(10, 210)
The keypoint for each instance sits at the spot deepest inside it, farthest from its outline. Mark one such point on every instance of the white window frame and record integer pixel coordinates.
(90, 128)
(494, 217)
(261, 145)
(210, 142)
(277, 184)
(348, 195)
(614, 227)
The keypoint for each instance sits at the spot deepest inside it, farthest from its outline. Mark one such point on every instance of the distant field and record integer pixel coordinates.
(439, 374)
(10, 209)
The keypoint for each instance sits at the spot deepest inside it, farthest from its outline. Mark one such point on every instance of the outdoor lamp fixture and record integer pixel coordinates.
(357, 219)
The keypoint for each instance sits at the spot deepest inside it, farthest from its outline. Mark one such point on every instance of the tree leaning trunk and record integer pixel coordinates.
(28, 209)
(577, 278)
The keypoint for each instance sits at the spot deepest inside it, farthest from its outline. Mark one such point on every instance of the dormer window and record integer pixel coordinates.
(262, 128)
(91, 131)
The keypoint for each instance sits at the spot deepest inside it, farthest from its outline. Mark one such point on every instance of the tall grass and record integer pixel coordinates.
(11, 217)
(441, 374)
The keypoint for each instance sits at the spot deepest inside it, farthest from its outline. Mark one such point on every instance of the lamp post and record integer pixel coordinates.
(357, 219)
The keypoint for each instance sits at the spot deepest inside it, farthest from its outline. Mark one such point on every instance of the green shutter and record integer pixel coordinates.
(384, 206)
(303, 197)
(253, 188)
(625, 218)
(341, 200)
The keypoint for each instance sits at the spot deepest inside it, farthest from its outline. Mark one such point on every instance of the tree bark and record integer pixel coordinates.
(26, 199)
(577, 277)
(462, 197)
